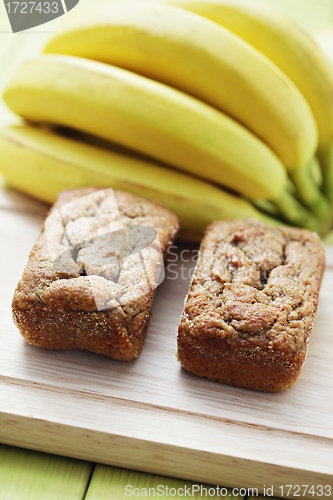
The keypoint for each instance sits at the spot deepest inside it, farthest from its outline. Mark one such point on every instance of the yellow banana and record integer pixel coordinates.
(148, 117)
(198, 57)
(286, 207)
(43, 163)
(284, 42)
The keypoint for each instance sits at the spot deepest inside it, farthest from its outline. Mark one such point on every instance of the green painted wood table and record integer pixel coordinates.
(29, 475)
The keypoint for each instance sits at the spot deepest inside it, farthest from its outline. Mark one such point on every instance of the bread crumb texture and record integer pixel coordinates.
(251, 305)
(92, 274)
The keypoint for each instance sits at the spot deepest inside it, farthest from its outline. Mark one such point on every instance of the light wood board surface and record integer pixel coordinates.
(149, 414)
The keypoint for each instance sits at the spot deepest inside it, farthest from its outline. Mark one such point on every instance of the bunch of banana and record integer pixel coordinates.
(213, 87)
(145, 116)
(202, 59)
(43, 163)
(290, 48)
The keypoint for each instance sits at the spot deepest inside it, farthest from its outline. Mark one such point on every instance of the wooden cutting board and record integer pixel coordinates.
(149, 414)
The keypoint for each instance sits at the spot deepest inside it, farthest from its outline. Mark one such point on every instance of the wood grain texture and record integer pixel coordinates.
(148, 414)
(151, 415)
(28, 475)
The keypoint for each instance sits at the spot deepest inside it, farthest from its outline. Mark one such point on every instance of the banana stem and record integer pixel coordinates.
(325, 155)
(328, 239)
(270, 220)
(316, 173)
(309, 192)
(267, 207)
(295, 213)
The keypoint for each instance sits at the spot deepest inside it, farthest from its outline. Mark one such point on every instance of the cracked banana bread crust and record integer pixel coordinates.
(97, 294)
(251, 304)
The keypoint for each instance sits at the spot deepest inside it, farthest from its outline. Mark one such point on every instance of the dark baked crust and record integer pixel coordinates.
(55, 302)
(251, 305)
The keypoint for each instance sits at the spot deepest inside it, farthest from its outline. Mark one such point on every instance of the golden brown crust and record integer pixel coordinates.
(96, 295)
(251, 305)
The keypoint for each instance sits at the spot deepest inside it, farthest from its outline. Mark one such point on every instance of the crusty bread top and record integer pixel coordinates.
(255, 286)
(133, 209)
(100, 268)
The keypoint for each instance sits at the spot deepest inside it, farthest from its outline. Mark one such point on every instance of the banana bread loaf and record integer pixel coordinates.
(251, 304)
(92, 274)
